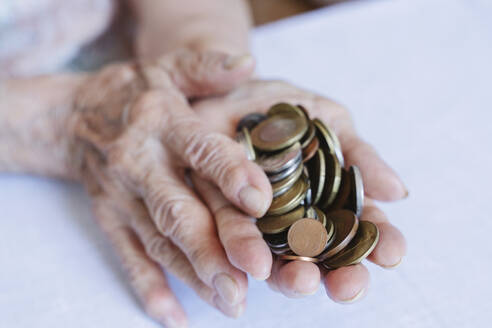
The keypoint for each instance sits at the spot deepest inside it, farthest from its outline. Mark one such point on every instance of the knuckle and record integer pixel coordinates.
(199, 256)
(158, 248)
(169, 216)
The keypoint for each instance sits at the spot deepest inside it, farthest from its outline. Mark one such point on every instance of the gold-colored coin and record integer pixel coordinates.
(343, 193)
(317, 173)
(321, 217)
(282, 186)
(277, 240)
(276, 224)
(291, 257)
(279, 131)
(284, 108)
(356, 198)
(279, 162)
(307, 237)
(309, 136)
(304, 110)
(333, 178)
(290, 199)
(346, 224)
(310, 150)
(243, 137)
(329, 139)
(329, 226)
(358, 249)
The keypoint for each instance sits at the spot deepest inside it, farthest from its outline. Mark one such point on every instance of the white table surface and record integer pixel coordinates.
(417, 76)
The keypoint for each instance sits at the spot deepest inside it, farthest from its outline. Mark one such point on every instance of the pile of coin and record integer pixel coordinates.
(317, 203)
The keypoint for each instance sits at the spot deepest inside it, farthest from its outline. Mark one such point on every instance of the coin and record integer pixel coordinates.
(307, 237)
(310, 150)
(278, 240)
(304, 110)
(290, 199)
(284, 108)
(276, 224)
(311, 213)
(272, 164)
(243, 137)
(320, 216)
(282, 186)
(329, 139)
(316, 168)
(343, 192)
(291, 257)
(333, 179)
(346, 224)
(279, 131)
(250, 121)
(358, 249)
(356, 198)
(285, 173)
(280, 250)
(309, 136)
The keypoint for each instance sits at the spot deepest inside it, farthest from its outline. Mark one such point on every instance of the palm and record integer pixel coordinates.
(298, 278)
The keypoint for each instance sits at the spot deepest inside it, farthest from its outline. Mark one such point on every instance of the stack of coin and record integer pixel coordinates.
(317, 202)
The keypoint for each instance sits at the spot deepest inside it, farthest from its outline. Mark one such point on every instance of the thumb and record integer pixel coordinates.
(199, 74)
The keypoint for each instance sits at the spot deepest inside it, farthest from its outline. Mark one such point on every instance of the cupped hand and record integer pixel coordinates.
(135, 135)
(243, 242)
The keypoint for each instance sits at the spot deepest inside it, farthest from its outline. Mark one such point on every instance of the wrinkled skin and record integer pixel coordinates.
(139, 139)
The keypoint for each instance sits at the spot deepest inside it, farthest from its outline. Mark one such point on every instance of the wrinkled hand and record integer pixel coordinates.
(136, 136)
(243, 242)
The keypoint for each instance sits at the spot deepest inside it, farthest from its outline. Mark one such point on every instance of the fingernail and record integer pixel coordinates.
(227, 288)
(173, 322)
(253, 200)
(392, 266)
(235, 62)
(263, 277)
(234, 311)
(355, 298)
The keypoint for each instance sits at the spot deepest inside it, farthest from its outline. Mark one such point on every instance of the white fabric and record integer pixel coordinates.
(417, 76)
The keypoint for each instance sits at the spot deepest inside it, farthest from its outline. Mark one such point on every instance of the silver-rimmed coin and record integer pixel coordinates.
(279, 162)
(282, 186)
(250, 121)
(285, 173)
(278, 240)
(243, 138)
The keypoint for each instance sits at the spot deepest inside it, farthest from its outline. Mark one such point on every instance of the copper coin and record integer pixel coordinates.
(290, 257)
(358, 249)
(279, 131)
(307, 237)
(310, 150)
(346, 224)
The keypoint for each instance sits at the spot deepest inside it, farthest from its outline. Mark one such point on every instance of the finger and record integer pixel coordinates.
(181, 216)
(145, 276)
(380, 181)
(199, 74)
(219, 159)
(296, 278)
(347, 284)
(170, 257)
(238, 233)
(391, 247)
